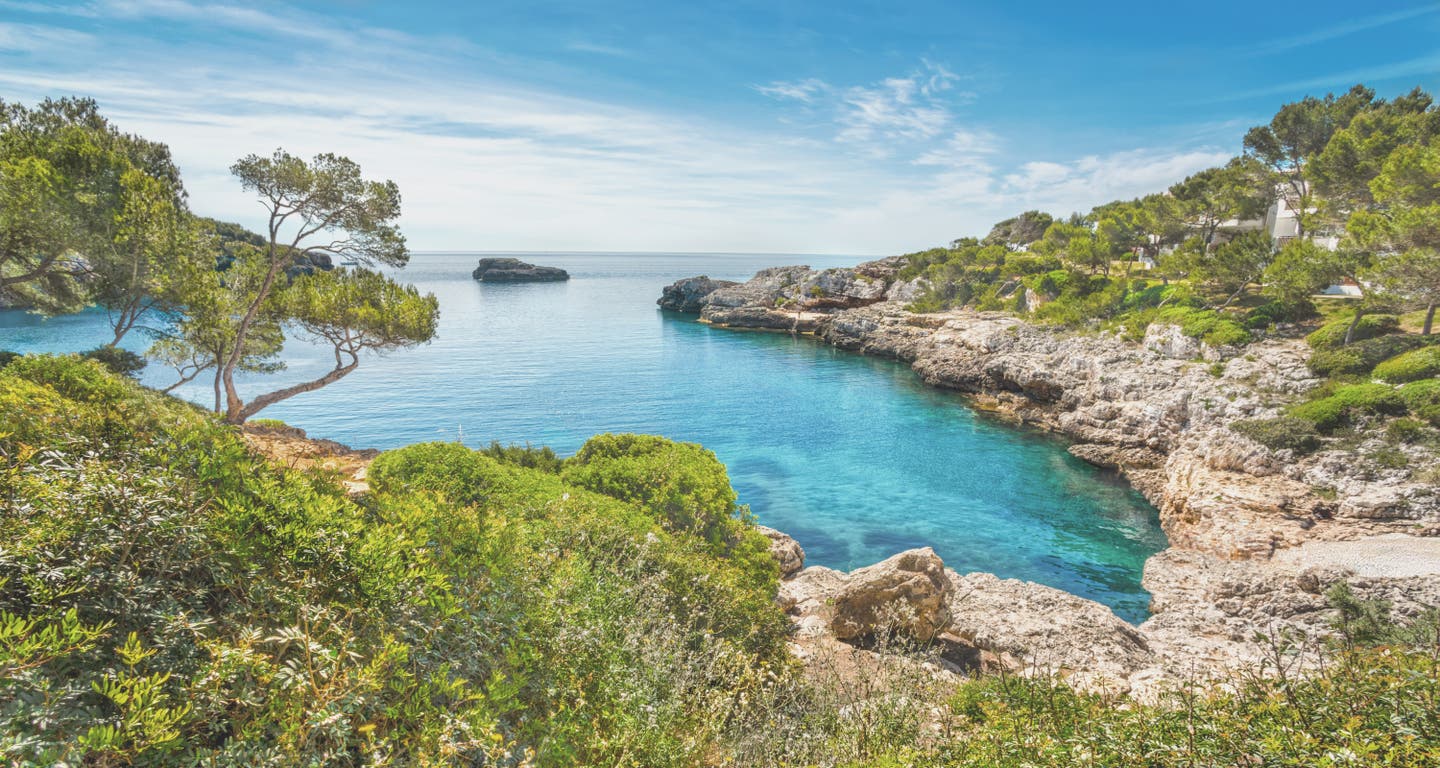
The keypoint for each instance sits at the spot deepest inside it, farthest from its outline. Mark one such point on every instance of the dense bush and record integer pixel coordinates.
(6, 356)
(1345, 404)
(1207, 325)
(1417, 364)
(681, 484)
(450, 469)
(1360, 357)
(1332, 334)
(1422, 398)
(1272, 312)
(117, 360)
(527, 455)
(168, 598)
(1286, 433)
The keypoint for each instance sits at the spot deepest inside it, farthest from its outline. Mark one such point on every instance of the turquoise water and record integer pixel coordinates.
(851, 455)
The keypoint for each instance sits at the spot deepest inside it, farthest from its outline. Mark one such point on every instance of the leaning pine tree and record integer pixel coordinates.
(323, 207)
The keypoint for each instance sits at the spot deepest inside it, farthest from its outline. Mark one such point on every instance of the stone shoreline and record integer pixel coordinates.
(1249, 528)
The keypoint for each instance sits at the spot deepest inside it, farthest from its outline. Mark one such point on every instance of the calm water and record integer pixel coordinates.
(849, 454)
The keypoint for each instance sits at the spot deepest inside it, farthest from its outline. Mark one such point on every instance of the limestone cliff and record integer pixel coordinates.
(1247, 525)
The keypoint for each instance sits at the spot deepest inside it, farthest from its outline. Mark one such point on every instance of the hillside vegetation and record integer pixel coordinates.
(169, 598)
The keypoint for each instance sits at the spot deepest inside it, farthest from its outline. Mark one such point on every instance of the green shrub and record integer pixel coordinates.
(450, 469)
(1348, 403)
(117, 360)
(1332, 334)
(542, 458)
(1273, 312)
(1207, 325)
(6, 356)
(169, 598)
(1406, 430)
(1282, 433)
(683, 485)
(1423, 363)
(1360, 357)
(1422, 399)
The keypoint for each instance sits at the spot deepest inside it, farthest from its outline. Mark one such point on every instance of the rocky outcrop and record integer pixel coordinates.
(1044, 630)
(689, 295)
(907, 594)
(1158, 412)
(507, 270)
(786, 551)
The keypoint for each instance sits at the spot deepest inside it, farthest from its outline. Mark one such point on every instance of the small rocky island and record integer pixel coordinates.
(508, 270)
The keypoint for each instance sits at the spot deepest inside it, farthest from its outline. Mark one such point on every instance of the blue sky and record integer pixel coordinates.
(825, 127)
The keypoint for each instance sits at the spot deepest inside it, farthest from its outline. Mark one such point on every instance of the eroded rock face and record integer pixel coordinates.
(908, 594)
(689, 295)
(1047, 630)
(1244, 522)
(507, 270)
(786, 551)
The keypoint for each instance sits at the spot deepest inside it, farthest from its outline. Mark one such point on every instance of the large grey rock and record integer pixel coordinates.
(786, 551)
(1046, 629)
(908, 593)
(508, 270)
(690, 294)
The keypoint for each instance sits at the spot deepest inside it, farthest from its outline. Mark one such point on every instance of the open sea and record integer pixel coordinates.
(851, 455)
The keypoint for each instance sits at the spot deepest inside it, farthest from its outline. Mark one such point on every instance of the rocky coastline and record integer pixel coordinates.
(1256, 536)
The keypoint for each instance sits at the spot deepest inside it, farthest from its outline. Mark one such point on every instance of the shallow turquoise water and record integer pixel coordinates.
(851, 455)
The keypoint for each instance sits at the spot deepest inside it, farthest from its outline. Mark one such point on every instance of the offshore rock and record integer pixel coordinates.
(507, 270)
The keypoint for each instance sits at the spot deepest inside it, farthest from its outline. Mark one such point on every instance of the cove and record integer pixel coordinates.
(852, 455)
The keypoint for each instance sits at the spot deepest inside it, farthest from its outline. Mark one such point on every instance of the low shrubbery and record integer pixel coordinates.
(169, 598)
(1287, 433)
(1346, 404)
(1423, 363)
(1422, 399)
(1332, 334)
(117, 360)
(1359, 358)
(1207, 325)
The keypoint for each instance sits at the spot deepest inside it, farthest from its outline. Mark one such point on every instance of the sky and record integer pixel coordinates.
(767, 127)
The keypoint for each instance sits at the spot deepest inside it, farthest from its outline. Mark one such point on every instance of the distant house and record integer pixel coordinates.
(1282, 223)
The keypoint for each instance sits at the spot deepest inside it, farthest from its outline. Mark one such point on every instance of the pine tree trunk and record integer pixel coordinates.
(1429, 318)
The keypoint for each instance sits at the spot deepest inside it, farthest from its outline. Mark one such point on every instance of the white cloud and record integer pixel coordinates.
(33, 38)
(486, 160)
(807, 90)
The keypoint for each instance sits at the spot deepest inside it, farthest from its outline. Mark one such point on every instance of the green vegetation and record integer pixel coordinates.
(1344, 405)
(1411, 366)
(93, 216)
(1283, 433)
(169, 598)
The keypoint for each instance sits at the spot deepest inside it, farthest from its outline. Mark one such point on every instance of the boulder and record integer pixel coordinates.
(690, 294)
(908, 593)
(1048, 630)
(507, 270)
(786, 551)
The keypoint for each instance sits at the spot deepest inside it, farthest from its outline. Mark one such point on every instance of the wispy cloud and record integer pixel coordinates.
(914, 107)
(32, 38)
(487, 159)
(1424, 66)
(807, 90)
(1335, 32)
(583, 46)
